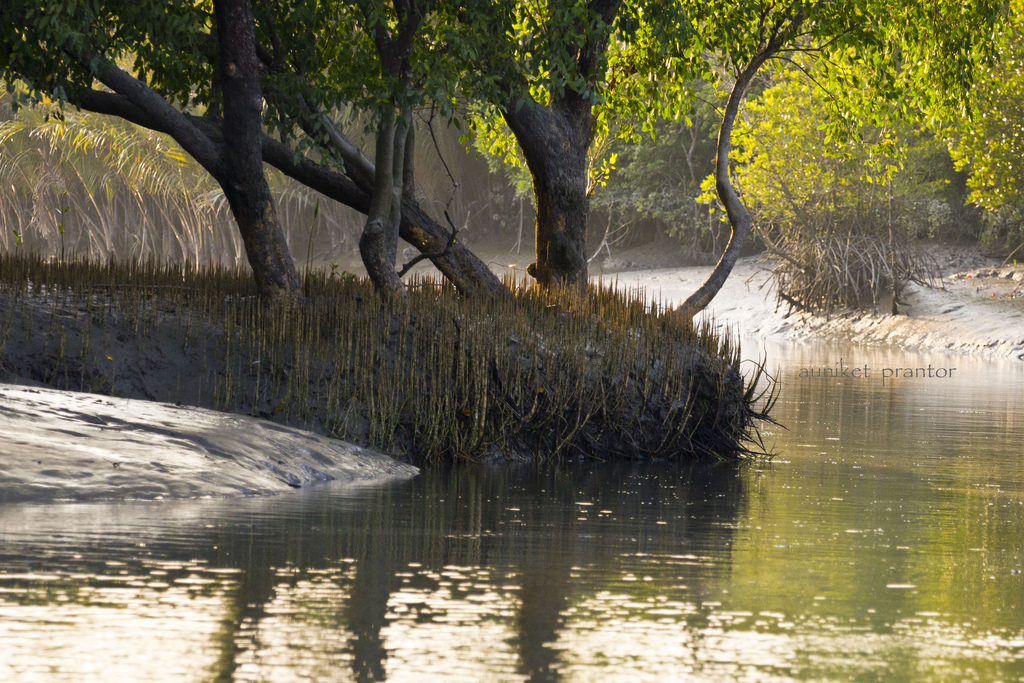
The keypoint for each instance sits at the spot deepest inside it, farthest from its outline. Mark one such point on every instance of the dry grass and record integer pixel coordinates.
(435, 378)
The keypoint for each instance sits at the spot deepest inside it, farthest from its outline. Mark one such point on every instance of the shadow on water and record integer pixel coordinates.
(355, 579)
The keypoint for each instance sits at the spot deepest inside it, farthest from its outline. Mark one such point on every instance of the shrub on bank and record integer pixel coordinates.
(437, 377)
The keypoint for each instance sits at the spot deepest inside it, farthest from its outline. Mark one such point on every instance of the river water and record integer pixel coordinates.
(884, 542)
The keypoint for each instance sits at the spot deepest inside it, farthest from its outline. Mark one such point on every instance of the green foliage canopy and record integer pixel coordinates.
(499, 53)
(797, 178)
(991, 144)
(879, 58)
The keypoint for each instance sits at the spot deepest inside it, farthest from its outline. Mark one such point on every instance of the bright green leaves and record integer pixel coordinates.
(880, 59)
(796, 179)
(991, 144)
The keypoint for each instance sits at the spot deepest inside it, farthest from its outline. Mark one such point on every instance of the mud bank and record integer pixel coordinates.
(976, 307)
(61, 445)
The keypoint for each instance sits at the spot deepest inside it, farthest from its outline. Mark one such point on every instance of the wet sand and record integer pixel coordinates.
(977, 309)
(71, 446)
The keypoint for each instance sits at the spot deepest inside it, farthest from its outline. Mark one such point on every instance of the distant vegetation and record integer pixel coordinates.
(134, 194)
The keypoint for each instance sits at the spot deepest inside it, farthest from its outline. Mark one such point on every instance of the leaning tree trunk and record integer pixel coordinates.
(555, 141)
(355, 188)
(241, 173)
(739, 217)
(465, 270)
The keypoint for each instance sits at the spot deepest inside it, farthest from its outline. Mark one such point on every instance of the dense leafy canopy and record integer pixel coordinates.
(53, 47)
(991, 144)
(632, 62)
(879, 52)
(877, 57)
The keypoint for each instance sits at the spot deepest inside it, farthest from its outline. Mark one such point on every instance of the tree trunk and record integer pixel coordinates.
(562, 209)
(203, 137)
(555, 141)
(459, 265)
(392, 174)
(241, 173)
(739, 217)
(378, 245)
(229, 150)
(463, 268)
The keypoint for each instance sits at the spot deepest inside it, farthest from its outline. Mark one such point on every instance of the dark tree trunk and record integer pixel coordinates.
(461, 267)
(555, 141)
(241, 173)
(230, 152)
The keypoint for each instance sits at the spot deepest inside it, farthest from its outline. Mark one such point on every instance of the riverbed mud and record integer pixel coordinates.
(62, 445)
(976, 307)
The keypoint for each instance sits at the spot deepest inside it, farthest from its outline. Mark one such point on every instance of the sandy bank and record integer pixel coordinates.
(60, 445)
(977, 307)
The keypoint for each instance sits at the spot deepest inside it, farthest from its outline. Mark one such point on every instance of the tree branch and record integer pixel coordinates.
(152, 105)
(431, 255)
(467, 272)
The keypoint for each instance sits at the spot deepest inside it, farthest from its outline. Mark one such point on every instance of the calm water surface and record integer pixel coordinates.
(885, 542)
